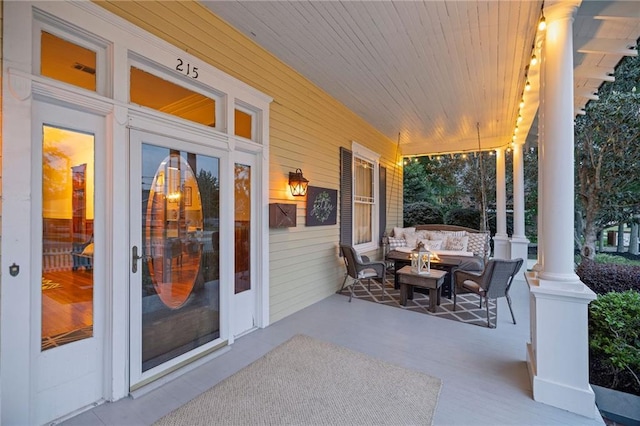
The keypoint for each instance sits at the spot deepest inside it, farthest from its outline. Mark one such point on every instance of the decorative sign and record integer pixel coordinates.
(322, 206)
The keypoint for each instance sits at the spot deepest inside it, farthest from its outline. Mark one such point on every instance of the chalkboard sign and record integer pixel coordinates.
(322, 206)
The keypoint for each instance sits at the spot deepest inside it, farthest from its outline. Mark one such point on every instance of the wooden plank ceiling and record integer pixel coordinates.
(434, 74)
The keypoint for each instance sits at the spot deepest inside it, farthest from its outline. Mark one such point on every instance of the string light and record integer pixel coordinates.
(534, 60)
(521, 103)
(542, 25)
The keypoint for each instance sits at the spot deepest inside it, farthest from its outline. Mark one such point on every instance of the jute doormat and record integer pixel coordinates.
(306, 381)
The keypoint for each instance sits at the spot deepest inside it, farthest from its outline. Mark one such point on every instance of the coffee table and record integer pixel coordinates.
(432, 282)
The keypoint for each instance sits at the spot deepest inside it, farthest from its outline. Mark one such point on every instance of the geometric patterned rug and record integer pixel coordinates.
(467, 310)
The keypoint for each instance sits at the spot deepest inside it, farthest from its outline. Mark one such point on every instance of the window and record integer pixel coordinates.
(68, 62)
(361, 198)
(154, 92)
(243, 124)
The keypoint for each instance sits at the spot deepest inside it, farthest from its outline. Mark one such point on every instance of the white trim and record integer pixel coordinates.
(80, 37)
(364, 153)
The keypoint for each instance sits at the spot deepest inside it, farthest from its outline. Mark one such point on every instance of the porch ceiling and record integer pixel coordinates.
(430, 71)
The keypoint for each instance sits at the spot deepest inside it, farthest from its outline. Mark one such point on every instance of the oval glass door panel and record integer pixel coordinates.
(174, 215)
(179, 257)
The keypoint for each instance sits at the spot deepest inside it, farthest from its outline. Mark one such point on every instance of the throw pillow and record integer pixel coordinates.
(422, 234)
(432, 244)
(456, 243)
(88, 250)
(411, 238)
(477, 243)
(399, 232)
(455, 233)
(397, 242)
(435, 235)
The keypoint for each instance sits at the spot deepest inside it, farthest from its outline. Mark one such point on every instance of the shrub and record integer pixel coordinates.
(469, 218)
(421, 213)
(618, 260)
(614, 331)
(603, 278)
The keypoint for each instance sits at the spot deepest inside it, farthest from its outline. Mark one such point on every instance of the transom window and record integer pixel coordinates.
(154, 92)
(67, 62)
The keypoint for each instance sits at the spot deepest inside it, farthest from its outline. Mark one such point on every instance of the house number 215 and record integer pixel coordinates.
(187, 69)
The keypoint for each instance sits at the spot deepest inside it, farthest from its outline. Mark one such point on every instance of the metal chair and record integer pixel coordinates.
(360, 268)
(492, 283)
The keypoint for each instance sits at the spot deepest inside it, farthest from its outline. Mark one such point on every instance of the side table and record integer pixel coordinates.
(432, 282)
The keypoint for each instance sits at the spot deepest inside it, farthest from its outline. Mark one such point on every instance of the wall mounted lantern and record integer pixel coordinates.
(298, 183)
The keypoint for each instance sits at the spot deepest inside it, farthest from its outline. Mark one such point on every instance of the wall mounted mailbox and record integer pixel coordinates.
(282, 215)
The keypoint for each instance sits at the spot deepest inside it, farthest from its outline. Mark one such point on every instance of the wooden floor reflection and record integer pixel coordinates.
(67, 306)
(175, 281)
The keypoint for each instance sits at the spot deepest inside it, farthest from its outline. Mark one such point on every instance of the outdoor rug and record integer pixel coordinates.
(306, 381)
(467, 309)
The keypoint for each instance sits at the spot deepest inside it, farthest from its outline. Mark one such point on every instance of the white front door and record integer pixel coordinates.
(68, 261)
(177, 298)
(244, 299)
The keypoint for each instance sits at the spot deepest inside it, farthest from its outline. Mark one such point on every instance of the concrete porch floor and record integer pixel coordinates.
(484, 373)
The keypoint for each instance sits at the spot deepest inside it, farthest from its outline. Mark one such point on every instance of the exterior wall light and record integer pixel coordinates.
(298, 183)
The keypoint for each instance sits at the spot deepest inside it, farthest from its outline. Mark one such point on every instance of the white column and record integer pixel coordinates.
(501, 239)
(557, 356)
(519, 242)
(539, 266)
(557, 190)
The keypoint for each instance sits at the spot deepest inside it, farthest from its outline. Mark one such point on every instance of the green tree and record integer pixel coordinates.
(209, 188)
(416, 183)
(607, 156)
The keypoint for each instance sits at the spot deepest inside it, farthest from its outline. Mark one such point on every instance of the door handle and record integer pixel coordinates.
(135, 258)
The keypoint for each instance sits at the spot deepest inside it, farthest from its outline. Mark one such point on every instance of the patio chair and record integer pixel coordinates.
(492, 283)
(361, 268)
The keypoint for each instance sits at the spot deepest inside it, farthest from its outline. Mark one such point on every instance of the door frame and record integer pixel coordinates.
(249, 296)
(19, 207)
(261, 276)
(163, 133)
(47, 113)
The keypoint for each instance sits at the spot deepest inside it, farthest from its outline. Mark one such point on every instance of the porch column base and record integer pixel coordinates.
(501, 247)
(558, 356)
(520, 249)
(560, 395)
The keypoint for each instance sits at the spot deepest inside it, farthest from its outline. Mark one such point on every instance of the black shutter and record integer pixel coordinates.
(382, 215)
(346, 196)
